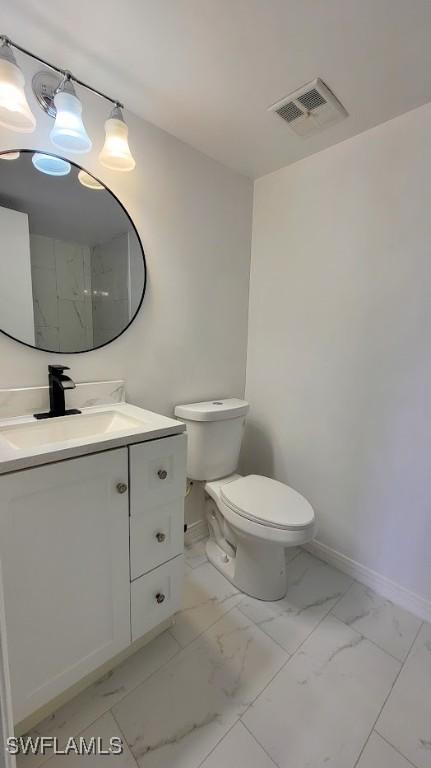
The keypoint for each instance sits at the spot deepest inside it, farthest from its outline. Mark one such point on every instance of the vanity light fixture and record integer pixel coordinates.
(54, 90)
(51, 165)
(116, 154)
(89, 181)
(69, 131)
(10, 156)
(15, 112)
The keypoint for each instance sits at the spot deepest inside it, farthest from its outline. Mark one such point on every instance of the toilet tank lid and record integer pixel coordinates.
(213, 410)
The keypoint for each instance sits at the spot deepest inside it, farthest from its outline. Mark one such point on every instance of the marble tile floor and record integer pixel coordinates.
(333, 676)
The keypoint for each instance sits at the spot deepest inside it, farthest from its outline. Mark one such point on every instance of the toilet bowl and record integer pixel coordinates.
(251, 519)
(258, 518)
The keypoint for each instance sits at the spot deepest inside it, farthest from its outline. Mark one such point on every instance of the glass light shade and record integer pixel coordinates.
(10, 156)
(69, 132)
(116, 153)
(89, 181)
(53, 166)
(15, 112)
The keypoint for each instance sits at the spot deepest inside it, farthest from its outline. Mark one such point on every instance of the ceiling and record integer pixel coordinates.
(207, 70)
(60, 206)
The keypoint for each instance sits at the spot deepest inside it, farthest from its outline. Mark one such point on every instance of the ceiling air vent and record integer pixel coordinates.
(310, 109)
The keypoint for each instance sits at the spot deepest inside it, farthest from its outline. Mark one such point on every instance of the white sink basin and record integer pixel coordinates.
(27, 442)
(65, 428)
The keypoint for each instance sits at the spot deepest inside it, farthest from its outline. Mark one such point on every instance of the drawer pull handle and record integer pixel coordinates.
(160, 597)
(162, 474)
(121, 487)
(160, 537)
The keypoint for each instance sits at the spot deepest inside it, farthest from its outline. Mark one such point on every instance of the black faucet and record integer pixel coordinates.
(58, 383)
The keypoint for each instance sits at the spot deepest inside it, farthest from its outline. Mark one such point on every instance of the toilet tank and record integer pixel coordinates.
(214, 431)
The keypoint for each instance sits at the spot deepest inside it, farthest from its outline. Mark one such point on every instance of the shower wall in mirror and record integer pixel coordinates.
(72, 268)
(82, 294)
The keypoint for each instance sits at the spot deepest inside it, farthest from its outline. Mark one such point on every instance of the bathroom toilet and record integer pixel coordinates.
(251, 519)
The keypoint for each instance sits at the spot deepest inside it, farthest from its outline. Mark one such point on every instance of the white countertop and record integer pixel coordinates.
(151, 426)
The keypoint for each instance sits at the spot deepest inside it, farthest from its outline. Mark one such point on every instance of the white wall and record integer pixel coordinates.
(339, 353)
(16, 306)
(194, 218)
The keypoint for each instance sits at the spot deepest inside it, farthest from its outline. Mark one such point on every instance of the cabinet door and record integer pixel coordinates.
(64, 548)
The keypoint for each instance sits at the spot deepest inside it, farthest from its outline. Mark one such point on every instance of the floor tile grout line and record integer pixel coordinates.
(373, 642)
(329, 612)
(183, 647)
(238, 719)
(237, 592)
(387, 697)
(277, 765)
(413, 765)
(110, 708)
(364, 637)
(298, 649)
(421, 622)
(124, 737)
(256, 624)
(82, 730)
(290, 657)
(178, 650)
(142, 682)
(218, 743)
(273, 678)
(363, 584)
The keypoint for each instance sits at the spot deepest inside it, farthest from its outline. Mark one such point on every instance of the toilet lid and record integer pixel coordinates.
(268, 502)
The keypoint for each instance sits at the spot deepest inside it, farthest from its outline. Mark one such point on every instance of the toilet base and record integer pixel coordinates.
(258, 568)
(220, 560)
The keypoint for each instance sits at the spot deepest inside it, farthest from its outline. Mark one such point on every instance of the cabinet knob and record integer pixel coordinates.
(121, 487)
(162, 474)
(160, 597)
(160, 537)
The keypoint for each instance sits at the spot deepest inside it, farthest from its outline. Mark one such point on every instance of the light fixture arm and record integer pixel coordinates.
(65, 84)
(67, 76)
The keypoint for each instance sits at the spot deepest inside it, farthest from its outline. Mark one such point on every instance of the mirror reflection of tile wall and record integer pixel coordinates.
(61, 277)
(110, 288)
(83, 296)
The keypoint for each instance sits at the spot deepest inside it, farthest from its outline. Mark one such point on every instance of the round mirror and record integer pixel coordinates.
(72, 267)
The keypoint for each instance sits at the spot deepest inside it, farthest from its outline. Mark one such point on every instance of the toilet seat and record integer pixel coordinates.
(267, 502)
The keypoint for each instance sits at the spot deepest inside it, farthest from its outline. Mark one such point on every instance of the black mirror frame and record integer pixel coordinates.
(100, 346)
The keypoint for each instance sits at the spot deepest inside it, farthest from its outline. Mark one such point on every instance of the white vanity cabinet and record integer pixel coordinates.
(88, 565)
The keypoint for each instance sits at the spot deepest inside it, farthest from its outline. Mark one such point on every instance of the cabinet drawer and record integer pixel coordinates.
(157, 472)
(156, 596)
(156, 535)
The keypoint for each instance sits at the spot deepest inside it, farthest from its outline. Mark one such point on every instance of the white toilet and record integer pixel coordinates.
(251, 519)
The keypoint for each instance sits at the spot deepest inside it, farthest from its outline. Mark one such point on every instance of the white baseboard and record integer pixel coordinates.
(196, 531)
(412, 602)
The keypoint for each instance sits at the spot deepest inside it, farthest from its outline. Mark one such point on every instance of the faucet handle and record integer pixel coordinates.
(58, 368)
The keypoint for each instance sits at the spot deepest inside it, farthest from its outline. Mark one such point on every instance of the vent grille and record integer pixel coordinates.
(312, 99)
(310, 109)
(289, 112)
